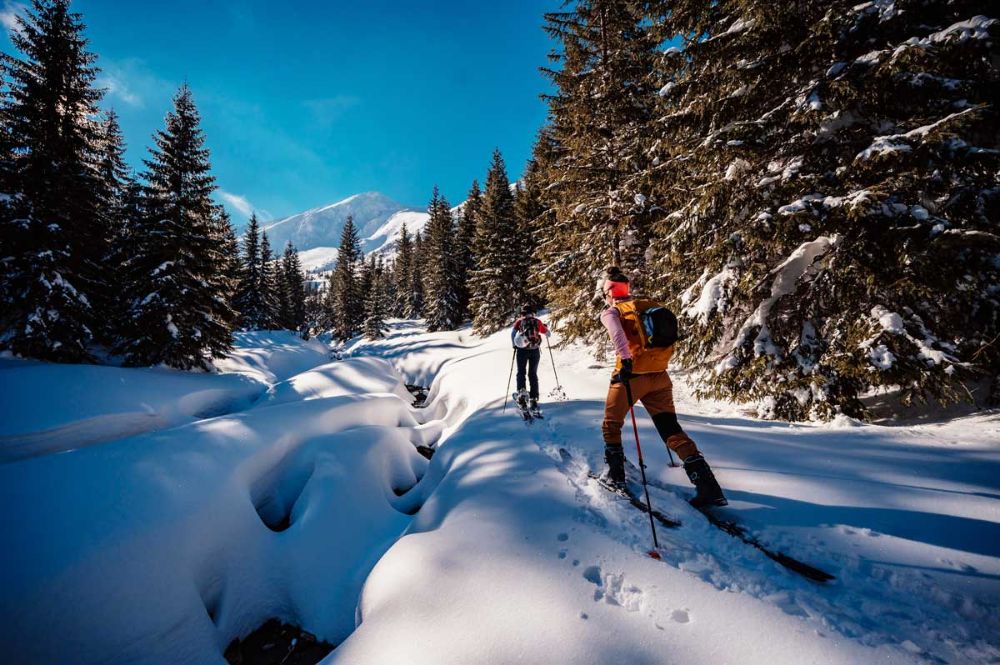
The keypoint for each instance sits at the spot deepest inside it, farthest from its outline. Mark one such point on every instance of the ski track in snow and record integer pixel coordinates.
(304, 498)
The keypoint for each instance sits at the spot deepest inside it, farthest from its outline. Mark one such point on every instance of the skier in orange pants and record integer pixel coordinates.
(643, 353)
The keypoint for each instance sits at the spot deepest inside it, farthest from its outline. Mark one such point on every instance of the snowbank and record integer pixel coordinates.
(164, 547)
(47, 407)
(273, 355)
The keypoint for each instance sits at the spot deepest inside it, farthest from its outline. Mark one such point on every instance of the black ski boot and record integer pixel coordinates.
(522, 400)
(615, 457)
(708, 491)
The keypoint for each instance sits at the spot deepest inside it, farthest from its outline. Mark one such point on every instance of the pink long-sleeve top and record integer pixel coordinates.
(612, 320)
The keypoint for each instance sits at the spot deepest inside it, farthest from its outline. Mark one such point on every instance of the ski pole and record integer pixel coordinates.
(642, 468)
(556, 374)
(509, 375)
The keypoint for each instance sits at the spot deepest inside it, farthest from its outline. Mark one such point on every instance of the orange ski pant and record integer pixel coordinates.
(656, 393)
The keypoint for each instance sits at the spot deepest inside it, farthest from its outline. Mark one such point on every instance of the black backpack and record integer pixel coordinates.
(529, 330)
(659, 326)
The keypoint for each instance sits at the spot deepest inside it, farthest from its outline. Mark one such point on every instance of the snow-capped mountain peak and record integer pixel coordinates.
(322, 226)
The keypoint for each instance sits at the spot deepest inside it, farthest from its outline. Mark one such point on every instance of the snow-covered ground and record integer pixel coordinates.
(289, 486)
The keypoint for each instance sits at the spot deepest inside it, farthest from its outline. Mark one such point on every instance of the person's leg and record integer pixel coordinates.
(659, 402)
(522, 363)
(534, 355)
(615, 408)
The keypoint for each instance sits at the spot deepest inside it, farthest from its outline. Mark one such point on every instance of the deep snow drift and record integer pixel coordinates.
(296, 492)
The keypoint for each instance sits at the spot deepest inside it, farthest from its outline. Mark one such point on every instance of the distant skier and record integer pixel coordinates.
(526, 336)
(641, 361)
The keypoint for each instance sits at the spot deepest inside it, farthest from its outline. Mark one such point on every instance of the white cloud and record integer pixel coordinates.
(243, 206)
(116, 87)
(134, 84)
(9, 13)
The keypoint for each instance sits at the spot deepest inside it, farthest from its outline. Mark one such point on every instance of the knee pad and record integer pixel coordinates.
(667, 425)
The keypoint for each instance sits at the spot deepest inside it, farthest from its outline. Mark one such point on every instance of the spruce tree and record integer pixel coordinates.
(293, 305)
(598, 117)
(529, 210)
(180, 314)
(248, 299)
(495, 280)
(117, 207)
(344, 285)
(55, 232)
(328, 300)
(269, 287)
(402, 267)
(829, 176)
(440, 267)
(375, 302)
(465, 241)
(232, 264)
(415, 304)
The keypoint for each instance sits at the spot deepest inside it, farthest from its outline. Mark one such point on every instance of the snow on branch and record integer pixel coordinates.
(894, 142)
(800, 265)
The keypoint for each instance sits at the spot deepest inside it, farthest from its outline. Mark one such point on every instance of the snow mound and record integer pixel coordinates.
(48, 408)
(273, 355)
(354, 376)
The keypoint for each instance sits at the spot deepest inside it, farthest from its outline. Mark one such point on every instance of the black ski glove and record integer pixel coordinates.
(625, 373)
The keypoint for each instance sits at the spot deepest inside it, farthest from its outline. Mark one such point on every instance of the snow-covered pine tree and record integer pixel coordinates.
(55, 233)
(328, 299)
(293, 306)
(529, 210)
(181, 314)
(375, 300)
(116, 204)
(401, 268)
(415, 306)
(315, 312)
(440, 267)
(269, 286)
(248, 299)
(465, 242)
(233, 266)
(344, 285)
(830, 169)
(495, 281)
(597, 120)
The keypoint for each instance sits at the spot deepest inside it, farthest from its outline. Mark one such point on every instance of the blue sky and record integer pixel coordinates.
(307, 102)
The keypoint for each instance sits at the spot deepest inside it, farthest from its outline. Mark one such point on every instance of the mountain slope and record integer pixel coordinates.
(316, 233)
(321, 227)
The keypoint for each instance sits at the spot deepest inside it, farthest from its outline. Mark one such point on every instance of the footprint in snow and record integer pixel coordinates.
(680, 616)
(612, 589)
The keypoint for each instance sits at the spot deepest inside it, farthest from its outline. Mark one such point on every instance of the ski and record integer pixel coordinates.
(523, 410)
(736, 530)
(626, 494)
(632, 498)
(729, 526)
(733, 528)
